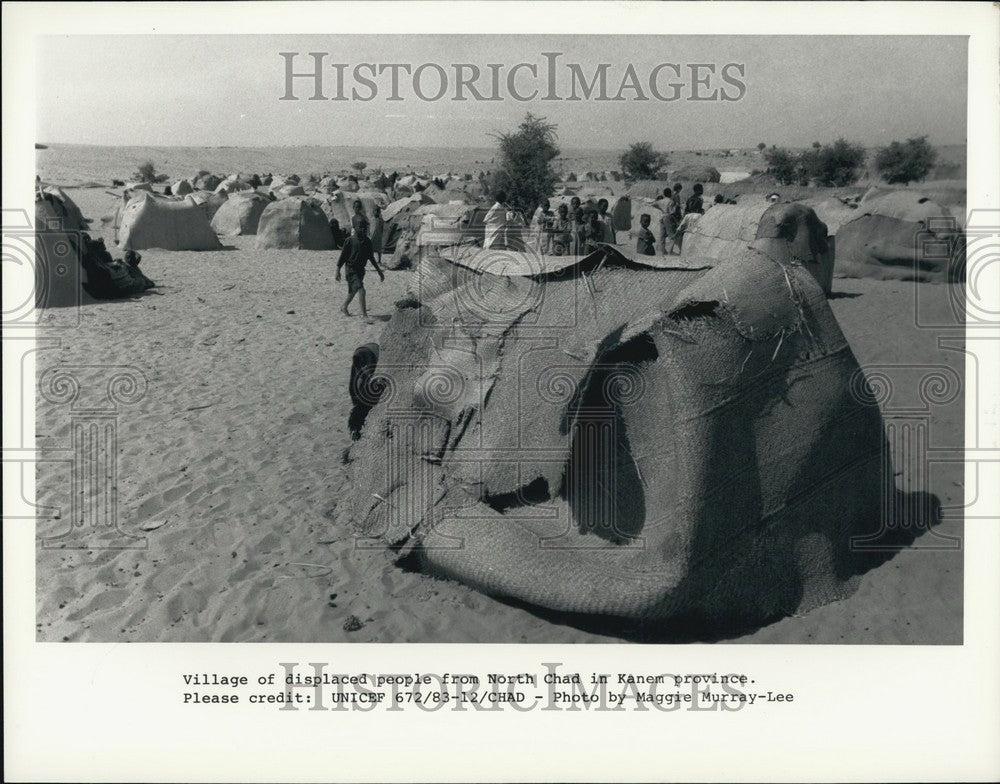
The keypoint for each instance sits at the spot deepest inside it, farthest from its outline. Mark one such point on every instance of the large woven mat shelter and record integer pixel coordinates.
(340, 205)
(901, 235)
(832, 211)
(294, 223)
(208, 201)
(205, 182)
(151, 222)
(726, 230)
(240, 215)
(648, 189)
(233, 183)
(58, 247)
(69, 215)
(618, 440)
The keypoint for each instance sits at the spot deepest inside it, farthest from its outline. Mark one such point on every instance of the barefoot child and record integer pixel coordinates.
(356, 254)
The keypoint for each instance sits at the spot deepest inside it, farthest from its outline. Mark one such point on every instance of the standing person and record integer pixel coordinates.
(514, 230)
(358, 215)
(544, 218)
(377, 240)
(689, 219)
(496, 222)
(578, 232)
(607, 221)
(356, 254)
(563, 232)
(672, 217)
(338, 234)
(645, 242)
(695, 203)
(693, 209)
(594, 233)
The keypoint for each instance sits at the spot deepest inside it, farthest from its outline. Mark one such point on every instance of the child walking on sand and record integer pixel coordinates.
(356, 254)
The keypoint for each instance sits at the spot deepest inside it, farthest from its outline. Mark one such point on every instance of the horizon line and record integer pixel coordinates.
(617, 150)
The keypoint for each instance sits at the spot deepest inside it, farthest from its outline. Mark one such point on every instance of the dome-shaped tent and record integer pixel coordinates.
(151, 222)
(289, 189)
(294, 223)
(58, 274)
(695, 447)
(232, 184)
(648, 189)
(208, 201)
(696, 174)
(901, 235)
(240, 215)
(205, 182)
(725, 232)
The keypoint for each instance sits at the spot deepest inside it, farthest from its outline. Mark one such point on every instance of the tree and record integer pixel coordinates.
(359, 166)
(905, 162)
(832, 165)
(641, 162)
(837, 164)
(761, 146)
(782, 165)
(816, 145)
(525, 170)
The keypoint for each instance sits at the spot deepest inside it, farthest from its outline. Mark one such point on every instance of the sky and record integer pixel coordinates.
(225, 90)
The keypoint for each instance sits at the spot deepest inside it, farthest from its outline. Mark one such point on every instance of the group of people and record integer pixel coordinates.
(578, 229)
(573, 229)
(678, 214)
(569, 230)
(109, 278)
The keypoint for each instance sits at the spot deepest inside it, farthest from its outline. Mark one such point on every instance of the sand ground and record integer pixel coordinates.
(230, 468)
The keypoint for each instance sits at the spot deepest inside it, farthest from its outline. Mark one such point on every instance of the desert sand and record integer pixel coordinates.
(229, 471)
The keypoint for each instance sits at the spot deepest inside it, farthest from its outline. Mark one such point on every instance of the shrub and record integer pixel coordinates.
(832, 165)
(782, 165)
(905, 162)
(147, 173)
(525, 170)
(835, 165)
(641, 162)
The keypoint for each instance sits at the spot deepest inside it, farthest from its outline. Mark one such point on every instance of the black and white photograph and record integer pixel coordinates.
(537, 345)
(624, 337)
